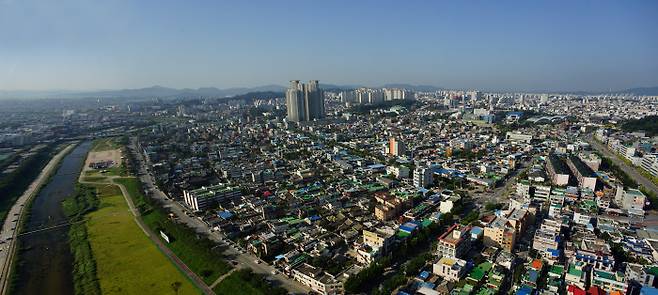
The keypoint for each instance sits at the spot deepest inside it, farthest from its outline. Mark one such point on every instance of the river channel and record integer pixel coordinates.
(45, 262)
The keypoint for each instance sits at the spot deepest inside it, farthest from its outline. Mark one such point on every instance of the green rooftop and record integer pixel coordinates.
(480, 271)
(557, 270)
(575, 272)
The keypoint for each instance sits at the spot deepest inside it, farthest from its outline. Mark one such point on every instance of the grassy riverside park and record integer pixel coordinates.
(127, 261)
(198, 253)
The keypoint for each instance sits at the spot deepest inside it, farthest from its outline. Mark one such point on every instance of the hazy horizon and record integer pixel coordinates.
(80, 45)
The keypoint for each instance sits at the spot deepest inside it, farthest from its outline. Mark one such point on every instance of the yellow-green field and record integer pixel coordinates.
(127, 261)
(94, 178)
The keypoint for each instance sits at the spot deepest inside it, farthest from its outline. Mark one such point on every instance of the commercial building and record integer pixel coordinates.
(518, 137)
(202, 198)
(304, 102)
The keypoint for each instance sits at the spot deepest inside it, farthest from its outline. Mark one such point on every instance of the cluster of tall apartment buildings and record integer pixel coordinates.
(375, 96)
(304, 102)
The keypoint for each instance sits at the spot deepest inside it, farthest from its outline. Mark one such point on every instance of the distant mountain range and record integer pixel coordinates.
(166, 92)
(651, 91)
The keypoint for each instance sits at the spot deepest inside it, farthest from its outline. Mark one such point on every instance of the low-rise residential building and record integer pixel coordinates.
(318, 280)
(547, 239)
(454, 242)
(389, 206)
(451, 269)
(501, 234)
(609, 280)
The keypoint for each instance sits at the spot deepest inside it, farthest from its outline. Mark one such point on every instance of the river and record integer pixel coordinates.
(45, 263)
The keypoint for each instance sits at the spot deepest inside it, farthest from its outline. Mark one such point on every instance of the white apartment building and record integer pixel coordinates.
(650, 164)
(318, 280)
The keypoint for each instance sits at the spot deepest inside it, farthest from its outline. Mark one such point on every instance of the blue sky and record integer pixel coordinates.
(524, 45)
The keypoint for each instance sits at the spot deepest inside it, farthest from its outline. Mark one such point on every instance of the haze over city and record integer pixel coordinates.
(510, 45)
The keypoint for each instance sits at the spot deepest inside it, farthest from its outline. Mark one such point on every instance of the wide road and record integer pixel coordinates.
(233, 251)
(11, 227)
(631, 171)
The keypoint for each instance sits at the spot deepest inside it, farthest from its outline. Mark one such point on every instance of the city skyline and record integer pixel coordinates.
(556, 46)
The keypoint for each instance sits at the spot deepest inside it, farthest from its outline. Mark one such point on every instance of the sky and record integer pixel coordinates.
(489, 45)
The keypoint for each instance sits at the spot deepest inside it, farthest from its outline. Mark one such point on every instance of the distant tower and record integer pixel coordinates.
(295, 101)
(314, 99)
(304, 102)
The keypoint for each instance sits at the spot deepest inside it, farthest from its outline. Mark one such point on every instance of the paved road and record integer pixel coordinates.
(233, 251)
(631, 171)
(200, 284)
(501, 194)
(11, 227)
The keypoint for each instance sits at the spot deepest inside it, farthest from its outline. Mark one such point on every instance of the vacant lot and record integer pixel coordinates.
(127, 261)
(104, 144)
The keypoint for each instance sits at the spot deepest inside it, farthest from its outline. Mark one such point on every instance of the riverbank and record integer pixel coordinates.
(83, 201)
(11, 228)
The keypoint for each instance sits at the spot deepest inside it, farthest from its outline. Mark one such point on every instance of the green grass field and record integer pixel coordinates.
(94, 178)
(245, 281)
(105, 144)
(233, 284)
(200, 255)
(127, 261)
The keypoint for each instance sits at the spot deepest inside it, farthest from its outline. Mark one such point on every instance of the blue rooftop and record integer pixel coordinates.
(525, 290)
(224, 214)
(648, 291)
